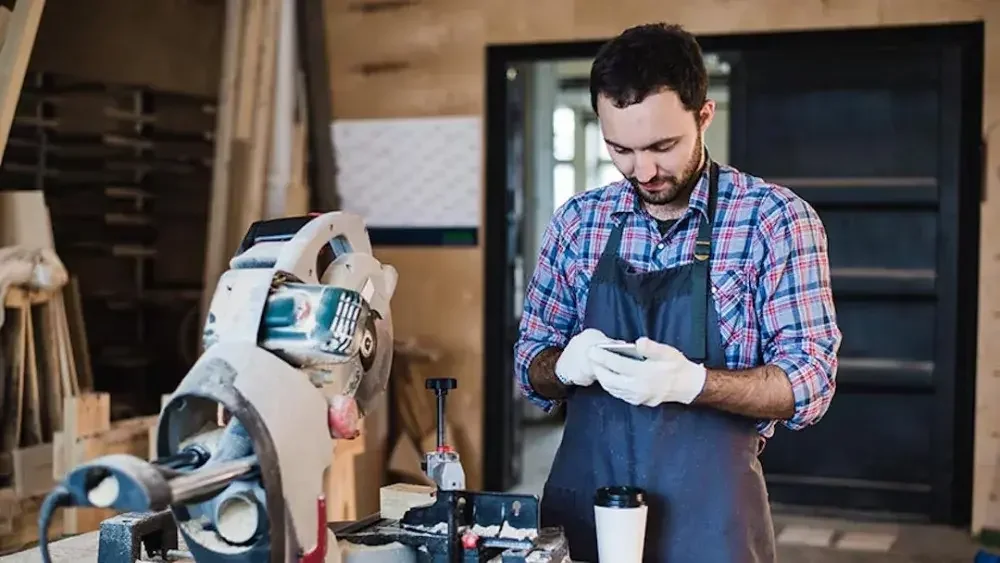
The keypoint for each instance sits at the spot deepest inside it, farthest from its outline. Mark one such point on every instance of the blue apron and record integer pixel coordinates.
(705, 489)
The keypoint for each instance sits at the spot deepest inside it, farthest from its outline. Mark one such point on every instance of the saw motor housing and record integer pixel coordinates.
(298, 346)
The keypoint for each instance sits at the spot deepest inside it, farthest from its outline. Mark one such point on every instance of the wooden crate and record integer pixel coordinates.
(87, 433)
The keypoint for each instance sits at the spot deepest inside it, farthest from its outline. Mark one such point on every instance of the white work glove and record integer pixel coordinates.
(665, 376)
(573, 366)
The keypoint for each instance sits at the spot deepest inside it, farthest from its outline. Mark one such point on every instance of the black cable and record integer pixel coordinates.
(59, 496)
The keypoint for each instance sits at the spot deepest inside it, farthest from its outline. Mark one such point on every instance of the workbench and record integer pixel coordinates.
(81, 548)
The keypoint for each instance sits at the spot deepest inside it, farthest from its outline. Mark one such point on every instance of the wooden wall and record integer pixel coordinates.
(174, 45)
(425, 58)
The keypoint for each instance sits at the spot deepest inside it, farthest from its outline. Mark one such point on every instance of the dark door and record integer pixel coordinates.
(880, 136)
(502, 431)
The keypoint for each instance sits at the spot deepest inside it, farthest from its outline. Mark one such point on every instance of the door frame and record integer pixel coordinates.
(954, 504)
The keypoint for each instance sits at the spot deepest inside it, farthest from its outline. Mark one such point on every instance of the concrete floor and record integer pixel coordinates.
(801, 539)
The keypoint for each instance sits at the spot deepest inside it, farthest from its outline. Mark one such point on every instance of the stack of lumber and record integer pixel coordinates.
(40, 367)
(126, 173)
(86, 432)
(261, 129)
(40, 374)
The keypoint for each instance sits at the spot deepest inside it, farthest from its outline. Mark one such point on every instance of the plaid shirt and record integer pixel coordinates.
(770, 280)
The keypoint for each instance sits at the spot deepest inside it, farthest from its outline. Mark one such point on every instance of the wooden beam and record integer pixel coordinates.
(263, 117)
(18, 41)
(218, 234)
(313, 45)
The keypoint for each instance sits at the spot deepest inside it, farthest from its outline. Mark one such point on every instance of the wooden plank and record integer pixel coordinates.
(83, 374)
(19, 40)
(19, 524)
(253, 195)
(217, 243)
(14, 333)
(279, 173)
(48, 366)
(313, 46)
(297, 194)
(396, 499)
(68, 377)
(240, 169)
(33, 470)
(87, 414)
(252, 22)
(5, 16)
(24, 218)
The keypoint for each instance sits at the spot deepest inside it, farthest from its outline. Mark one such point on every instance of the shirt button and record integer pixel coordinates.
(660, 246)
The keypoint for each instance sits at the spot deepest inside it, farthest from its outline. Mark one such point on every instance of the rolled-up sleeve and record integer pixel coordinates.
(549, 313)
(799, 331)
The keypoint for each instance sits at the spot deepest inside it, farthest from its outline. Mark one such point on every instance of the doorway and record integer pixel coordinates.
(879, 130)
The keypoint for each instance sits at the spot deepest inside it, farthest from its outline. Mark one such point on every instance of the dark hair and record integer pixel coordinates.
(648, 59)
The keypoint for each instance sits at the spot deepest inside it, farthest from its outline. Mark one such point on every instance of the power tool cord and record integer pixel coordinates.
(59, 496)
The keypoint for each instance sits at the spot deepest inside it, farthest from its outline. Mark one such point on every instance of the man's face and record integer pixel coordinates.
(656, 144)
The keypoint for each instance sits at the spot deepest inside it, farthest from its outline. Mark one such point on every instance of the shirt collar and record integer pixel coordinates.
(629, 203)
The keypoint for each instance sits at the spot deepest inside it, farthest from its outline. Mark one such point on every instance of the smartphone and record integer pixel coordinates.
(623, 349)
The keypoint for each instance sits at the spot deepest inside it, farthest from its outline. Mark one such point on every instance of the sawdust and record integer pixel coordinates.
(506, 532)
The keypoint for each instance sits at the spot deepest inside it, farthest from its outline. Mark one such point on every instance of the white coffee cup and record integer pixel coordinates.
(620, 514)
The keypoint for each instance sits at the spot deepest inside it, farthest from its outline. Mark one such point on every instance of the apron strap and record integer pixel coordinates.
(701, 274)
(607, 260)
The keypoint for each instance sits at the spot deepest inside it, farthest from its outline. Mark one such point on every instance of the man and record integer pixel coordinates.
(721, 280)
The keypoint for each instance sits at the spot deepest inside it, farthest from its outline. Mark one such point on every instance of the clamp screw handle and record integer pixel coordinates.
(441, 386)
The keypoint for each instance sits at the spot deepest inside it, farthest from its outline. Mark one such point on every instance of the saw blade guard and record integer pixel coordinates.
(309, 290)
(285, 452)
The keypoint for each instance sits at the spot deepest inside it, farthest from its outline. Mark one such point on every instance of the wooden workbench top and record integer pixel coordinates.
(82, 548)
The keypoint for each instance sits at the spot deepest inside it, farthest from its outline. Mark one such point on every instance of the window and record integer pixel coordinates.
(564, 152)
(563, 183)
(580, 155)
(600, 170)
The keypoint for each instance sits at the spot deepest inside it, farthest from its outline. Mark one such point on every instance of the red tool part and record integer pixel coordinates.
(318, 553)
(343, 418)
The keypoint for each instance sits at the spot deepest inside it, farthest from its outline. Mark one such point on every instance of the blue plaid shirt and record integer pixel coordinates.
(770, 280)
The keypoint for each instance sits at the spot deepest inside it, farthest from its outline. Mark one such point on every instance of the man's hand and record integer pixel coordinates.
(664, 376)
(574, 367)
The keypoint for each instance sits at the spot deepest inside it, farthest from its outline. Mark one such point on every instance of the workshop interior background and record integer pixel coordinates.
(457, 128)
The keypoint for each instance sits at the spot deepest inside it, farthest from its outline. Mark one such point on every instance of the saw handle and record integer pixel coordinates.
(319, 242)
(312, 242)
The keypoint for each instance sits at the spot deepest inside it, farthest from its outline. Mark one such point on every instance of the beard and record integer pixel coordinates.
(674, 186)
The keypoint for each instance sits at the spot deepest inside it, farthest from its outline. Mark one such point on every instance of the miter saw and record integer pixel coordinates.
(297, 348)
